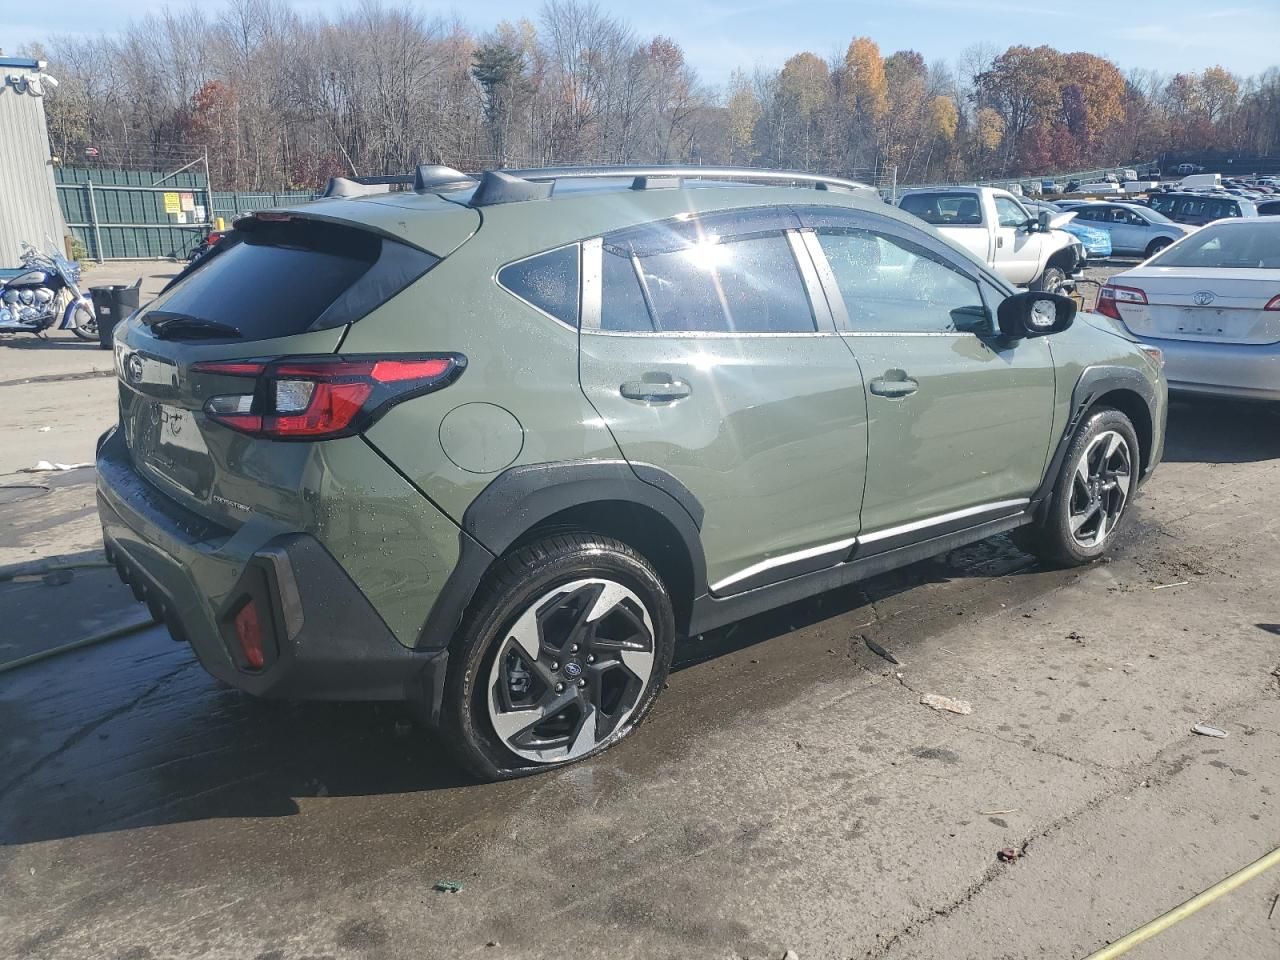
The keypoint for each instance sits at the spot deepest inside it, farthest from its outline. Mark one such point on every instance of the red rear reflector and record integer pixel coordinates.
(249, 633)
(1273, 303)
(229, 368)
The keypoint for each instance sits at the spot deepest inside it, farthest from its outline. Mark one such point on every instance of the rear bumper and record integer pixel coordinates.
(322, 640)
(1243, 371)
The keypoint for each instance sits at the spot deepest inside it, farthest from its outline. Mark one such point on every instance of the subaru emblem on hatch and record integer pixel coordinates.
(1202, 298)
(133, 368)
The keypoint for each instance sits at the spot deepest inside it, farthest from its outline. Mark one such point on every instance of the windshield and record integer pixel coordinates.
(1224, 246)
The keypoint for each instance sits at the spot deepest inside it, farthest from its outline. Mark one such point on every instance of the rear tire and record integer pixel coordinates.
(1095, 485)
(561, 656)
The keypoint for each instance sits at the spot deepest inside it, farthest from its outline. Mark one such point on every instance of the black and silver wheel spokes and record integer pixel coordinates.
(1100, 488)
(570, 670)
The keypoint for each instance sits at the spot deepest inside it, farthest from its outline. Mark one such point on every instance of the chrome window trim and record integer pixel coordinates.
(591, 270)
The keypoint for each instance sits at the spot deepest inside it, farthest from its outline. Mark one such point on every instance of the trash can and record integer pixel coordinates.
(111, 305)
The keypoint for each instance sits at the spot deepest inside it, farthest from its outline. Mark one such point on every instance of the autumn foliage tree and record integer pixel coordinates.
(281, 96)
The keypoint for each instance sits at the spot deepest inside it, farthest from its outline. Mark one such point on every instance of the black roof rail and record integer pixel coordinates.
(500, 186)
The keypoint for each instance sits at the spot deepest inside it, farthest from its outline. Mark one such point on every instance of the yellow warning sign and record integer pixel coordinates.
(172, 203)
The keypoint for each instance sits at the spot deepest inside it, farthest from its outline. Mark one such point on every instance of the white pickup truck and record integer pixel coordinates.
(996, 228)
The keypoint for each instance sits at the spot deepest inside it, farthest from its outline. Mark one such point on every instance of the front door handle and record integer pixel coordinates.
(655, 391)
(882, 387)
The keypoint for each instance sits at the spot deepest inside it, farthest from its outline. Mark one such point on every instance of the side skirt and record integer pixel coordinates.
(710, 612)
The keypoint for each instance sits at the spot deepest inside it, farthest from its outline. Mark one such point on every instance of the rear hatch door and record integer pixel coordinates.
(287, 286)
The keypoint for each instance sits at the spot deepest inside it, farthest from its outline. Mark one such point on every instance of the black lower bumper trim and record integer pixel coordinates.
(329, 642)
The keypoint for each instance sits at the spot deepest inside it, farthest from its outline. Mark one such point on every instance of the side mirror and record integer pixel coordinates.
(1033, 314)
(1043, 220)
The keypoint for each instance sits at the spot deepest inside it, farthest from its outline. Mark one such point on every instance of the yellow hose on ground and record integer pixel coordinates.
(1181, 912)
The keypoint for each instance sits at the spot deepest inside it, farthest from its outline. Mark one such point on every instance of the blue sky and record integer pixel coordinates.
(1173, 35)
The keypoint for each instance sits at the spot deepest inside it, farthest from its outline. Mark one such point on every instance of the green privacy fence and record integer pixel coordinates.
(127, 215)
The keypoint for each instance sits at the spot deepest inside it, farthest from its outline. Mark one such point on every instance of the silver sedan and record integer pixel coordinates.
(1135, 230)
(1211, 302)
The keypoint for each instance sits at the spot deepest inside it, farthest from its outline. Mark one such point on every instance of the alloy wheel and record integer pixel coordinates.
(1100, 488)
(571, 670)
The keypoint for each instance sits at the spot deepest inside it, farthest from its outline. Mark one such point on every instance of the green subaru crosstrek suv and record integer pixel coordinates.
(491, 444)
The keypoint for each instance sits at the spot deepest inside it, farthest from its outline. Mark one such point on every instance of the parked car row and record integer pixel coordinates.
(1134, 229)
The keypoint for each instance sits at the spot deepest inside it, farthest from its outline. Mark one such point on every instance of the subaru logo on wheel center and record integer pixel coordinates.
(572, 669)
(1202, 298)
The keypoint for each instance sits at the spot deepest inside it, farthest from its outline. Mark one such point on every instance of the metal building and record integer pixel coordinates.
(28, 198)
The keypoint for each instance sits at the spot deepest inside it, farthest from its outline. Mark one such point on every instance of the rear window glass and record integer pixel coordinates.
(1250, 245)
(548, 281)
(943, 209)
(279, 279)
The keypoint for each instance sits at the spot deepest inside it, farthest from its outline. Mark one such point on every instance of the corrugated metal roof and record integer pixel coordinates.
(28, 200)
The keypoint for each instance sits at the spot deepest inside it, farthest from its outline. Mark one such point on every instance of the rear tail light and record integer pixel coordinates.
(1273, 303)
(323, 397)
(1155, 353)
(1112, 295)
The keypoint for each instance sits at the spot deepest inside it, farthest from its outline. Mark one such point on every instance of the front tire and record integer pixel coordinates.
(1097, 481)
(84, 324)
(1155, 246)
(561, 657)
(1051, 281)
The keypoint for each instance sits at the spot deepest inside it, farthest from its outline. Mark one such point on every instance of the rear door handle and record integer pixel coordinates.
(893, 388)
(663, 391)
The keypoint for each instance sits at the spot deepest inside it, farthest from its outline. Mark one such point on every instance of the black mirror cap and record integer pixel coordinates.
(1035, 314)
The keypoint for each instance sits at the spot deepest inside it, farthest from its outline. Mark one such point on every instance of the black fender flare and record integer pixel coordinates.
(1094, 382)
(521, 497)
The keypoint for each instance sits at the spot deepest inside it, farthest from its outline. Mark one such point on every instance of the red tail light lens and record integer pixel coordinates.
(1112, 295)
(249, 634)
(1273, 303)
(323, 397)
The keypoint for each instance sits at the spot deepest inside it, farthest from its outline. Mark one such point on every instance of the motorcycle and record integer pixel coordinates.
(206, 243)
(47, 289)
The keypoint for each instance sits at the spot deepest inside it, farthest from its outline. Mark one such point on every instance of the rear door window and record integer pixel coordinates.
(734, 285)
(285, 278)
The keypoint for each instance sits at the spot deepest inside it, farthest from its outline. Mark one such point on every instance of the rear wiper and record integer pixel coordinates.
(176, 326)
